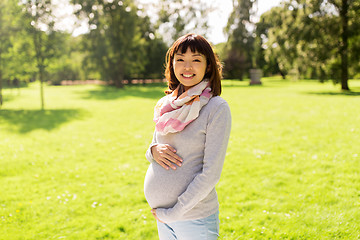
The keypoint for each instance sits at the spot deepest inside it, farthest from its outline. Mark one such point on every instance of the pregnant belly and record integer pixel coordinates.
(163, 187)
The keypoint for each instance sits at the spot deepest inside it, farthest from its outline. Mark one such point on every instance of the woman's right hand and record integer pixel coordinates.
(166, 156)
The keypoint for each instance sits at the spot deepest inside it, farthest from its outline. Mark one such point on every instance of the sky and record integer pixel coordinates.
(217, 19)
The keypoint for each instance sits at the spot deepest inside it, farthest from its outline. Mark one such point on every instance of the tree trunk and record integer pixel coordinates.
(283, 75)
(344, 45)
(40, 64)
(42, 89)
(1, 97)
(118, 82)
(119, 76)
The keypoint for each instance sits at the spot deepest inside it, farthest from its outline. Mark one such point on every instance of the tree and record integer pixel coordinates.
(277, 33)
(177, 18)
(37, 13)
(268, 62)
(349, 11)
(241, 40)
(67, 64)
(116, 42)
(337, 23)
(316, 38)
(5, 36)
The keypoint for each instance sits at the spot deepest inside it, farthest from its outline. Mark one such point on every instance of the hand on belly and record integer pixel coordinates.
(165, 155)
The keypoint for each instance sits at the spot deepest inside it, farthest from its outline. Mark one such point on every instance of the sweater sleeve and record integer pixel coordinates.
(148, 153)
(217, 137)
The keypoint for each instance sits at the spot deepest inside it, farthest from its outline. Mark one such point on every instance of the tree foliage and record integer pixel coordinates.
(240, 49)
(316, 39)
(307, 38)
(120, 35)
(47, 44)
(336, 23)
(278, 39)
(7, 33)
(178, 17)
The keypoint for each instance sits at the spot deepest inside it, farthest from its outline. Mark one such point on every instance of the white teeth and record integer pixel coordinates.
(187, 75)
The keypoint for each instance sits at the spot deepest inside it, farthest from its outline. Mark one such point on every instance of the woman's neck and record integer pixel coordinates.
(182, 89)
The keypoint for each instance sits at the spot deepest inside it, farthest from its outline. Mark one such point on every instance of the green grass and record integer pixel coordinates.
(76, 170)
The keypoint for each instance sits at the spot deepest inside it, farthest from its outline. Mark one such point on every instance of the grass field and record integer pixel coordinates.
(76, 170)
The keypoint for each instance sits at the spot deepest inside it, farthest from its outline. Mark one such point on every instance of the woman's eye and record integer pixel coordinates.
(179, 60)
(197, 60)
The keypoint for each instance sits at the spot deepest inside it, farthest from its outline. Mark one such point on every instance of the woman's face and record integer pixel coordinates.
(189, 67)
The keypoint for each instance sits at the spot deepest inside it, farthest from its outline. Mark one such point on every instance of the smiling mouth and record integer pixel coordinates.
(188, 75)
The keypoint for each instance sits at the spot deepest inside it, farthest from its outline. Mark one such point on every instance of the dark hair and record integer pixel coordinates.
(201, 45)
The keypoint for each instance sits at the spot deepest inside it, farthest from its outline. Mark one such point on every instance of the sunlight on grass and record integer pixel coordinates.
(76, 170)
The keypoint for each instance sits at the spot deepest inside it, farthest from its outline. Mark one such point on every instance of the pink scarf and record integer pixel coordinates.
(172, 114)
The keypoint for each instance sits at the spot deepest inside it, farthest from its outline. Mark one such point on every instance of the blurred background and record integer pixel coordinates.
(119, 41)
(75, 169)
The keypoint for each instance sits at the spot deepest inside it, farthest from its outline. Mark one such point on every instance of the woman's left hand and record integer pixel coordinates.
(153, 211)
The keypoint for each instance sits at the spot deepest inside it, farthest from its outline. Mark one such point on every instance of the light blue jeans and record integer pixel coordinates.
(200, 229)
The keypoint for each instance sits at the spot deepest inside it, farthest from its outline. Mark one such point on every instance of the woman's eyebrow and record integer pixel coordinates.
(194, 55)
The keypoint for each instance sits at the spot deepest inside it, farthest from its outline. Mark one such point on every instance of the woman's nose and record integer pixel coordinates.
(188, 65)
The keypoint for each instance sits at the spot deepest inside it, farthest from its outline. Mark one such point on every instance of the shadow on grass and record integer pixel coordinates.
(265, 83)
(342, 93)
(8, 98)
(11, 95)
(153, 91)
(24, 121)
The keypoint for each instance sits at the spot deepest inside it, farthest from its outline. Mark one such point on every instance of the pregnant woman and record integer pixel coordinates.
(189, 144)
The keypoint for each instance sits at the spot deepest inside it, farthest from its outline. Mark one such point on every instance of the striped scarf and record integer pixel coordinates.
(172, 114)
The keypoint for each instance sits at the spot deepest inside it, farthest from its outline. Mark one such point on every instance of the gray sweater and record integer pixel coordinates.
(189, 191)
